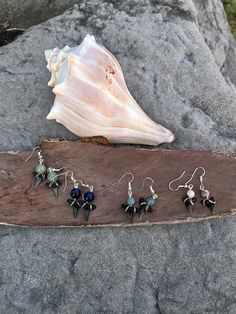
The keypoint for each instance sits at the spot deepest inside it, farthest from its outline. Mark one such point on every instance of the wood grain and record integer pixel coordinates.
(21, 204)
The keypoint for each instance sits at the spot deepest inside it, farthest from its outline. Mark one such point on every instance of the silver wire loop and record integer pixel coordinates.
(75, 181)
(129, 183)
(39, 154)
(55, 169)
(179, 186)
(150, 187)
(122, 177)
(186, 184)
(201, 177)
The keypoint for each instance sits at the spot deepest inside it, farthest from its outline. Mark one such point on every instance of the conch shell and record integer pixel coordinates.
(92, 98)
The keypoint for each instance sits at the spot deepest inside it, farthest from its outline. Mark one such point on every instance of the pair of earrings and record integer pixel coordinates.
(50, 175)
(44, 173)
(145, 204)
(78, 198)
(189, 199)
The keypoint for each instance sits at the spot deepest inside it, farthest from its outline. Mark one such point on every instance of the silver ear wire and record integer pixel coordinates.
(86, 185)
(129, 183)
(179, 186)
(55, 169)
(39, 154)
(75, 182)
(201, 177)
(150, 187)
(205, 193)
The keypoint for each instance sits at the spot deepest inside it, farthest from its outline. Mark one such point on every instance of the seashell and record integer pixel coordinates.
(92, 98)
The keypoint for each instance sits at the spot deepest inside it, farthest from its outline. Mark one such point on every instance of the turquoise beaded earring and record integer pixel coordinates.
(145, 205)
(129, 208)
(42, 173)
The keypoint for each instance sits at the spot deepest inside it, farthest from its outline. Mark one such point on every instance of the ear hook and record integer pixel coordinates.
(180, 186)
(64, 173)
(129, 183)
(86, 185)
(151, 186)
(201, 177)
(75, 182)
(127, 173)
(39, 153)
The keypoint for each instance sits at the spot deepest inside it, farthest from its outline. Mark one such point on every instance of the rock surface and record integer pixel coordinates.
(176, 269)
(215, 29)
(172, 73)
(25, 13)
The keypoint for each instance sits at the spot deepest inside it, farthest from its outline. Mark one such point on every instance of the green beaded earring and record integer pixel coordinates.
(145, 205)
(41, 173)
(40, 169)
(129, 208)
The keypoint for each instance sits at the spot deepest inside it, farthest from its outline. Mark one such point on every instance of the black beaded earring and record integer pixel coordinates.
(207, 201)
(42, 173)
(78, 199)
(145, 205)
(129, 208)
(189, 199)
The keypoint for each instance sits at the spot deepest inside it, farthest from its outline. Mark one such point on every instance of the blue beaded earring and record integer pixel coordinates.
(129, 208)
(145, 206)
(42, 173)
(75, 201)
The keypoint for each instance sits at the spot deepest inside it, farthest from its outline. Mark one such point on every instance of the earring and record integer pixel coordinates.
(129, 207)
(75, 193)
(208, 201)
(52, 181)
(41, 173)
(146, 205)
(86, 203)
(40, 170)
(190, 199)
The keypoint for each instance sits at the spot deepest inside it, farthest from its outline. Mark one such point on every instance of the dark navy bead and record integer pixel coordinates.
(75, 193)
(89, 196)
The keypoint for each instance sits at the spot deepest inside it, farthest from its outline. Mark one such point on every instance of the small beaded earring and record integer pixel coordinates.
(129, 207)
(52, 181)
(145, 206)
(42, 173)
(208, 201)
(76, 203)
(190, 199)
(40, 170)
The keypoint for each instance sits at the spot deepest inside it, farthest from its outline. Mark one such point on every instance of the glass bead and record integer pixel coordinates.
(151, 201)
(130, 201)
(52, 176)
(40, 168)
(88, 196)
(75, 193)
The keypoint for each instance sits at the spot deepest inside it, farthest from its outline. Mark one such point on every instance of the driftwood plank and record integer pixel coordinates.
(21, 204)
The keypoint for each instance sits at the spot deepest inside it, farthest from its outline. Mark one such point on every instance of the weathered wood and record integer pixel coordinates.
(101, 166)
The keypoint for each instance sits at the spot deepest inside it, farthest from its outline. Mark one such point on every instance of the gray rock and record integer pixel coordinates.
(168, 68)
(179, 269)
(215, 29)
(186, 268)
(25, 13)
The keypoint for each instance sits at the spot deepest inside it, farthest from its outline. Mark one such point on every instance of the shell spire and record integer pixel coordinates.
(92, 98)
